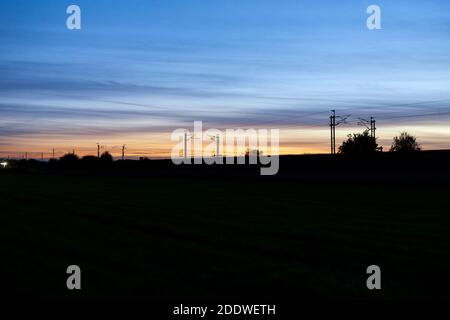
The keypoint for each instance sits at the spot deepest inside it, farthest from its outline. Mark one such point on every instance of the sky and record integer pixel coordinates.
(137, 70)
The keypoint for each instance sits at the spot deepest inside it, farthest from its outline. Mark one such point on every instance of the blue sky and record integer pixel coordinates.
(139, 69)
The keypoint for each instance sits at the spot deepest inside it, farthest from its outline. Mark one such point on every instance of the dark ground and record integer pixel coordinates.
(186, 238)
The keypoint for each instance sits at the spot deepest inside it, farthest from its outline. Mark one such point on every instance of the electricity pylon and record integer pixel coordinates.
(186, 137)
(216, 138)
(333, 124)
(369, 124)
(123, 152)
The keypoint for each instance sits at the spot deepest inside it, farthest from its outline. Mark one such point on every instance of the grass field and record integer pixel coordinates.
(170, 239)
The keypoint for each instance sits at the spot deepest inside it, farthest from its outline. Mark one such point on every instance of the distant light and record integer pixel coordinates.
(4, 164)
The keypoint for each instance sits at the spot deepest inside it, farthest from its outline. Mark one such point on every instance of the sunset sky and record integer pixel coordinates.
(137, 70)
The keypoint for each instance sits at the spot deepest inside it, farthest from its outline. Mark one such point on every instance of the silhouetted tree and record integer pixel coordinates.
(359, 143)
(405, 143)
(106, 156)
(69, 157)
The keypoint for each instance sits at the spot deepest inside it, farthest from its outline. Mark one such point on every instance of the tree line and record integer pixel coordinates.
(357, 143)
(364, 143)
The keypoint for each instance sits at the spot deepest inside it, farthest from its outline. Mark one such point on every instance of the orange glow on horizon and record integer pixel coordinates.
(159, 145)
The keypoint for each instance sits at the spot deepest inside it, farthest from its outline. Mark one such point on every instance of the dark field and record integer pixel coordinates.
(185, 239)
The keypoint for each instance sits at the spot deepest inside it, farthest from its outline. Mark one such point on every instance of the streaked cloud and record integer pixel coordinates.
(134, 73)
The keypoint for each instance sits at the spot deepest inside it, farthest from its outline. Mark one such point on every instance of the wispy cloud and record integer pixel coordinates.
(158, 66)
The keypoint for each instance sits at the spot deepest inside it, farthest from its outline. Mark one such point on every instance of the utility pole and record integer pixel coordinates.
(42, 156)
(216, 138)
(186, 138)
(369, 124)
(123, 152)
(217, 145)
(53, 152)
(98, 150)
(185, 145)
(333, 131)
(333, 124)
(372, 127)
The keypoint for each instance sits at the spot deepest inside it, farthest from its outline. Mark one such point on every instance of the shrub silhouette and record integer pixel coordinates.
(106, 156)
(359, 143)
(405, 143)
(69, 157)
